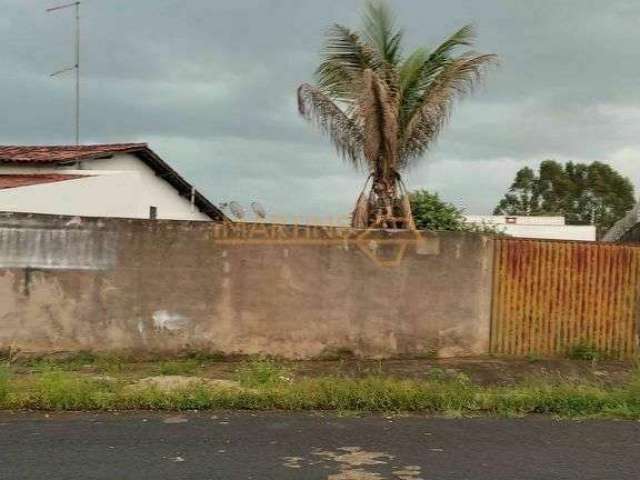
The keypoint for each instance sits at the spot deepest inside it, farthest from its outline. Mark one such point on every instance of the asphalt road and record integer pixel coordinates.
(282, 446)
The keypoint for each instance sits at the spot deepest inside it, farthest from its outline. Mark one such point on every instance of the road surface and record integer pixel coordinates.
(227, 445)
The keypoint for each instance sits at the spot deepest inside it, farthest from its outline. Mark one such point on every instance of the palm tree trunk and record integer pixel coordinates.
(386, 206)
(384, 193)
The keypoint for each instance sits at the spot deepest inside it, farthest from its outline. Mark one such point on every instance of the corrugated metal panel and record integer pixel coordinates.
(549, 296)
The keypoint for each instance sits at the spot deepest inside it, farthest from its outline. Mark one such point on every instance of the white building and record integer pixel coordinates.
(114, 180)
(553, 228)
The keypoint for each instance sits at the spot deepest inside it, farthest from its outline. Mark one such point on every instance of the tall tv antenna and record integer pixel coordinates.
(76, 66)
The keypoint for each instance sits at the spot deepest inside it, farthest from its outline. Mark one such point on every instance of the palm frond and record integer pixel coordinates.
(380, 31)
(461, 38)
(345, 57)
(378, 114)
(456, 78)
(420, 68)
(411, 81)
(405, 208)
(411, 68)
(345, 134)
(360, 214)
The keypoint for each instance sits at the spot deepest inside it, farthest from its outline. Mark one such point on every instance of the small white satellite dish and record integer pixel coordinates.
(258, 209)
(236, 209)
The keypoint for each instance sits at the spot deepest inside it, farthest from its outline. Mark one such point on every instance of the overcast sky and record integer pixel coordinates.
(210, 85)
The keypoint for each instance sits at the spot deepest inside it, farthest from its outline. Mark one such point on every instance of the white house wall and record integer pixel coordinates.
(153, 190)
(552, 232)
(516, 219)
(552, 228)
(122, 186)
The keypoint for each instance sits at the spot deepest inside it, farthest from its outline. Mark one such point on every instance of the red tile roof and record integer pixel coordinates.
(63, 153)
(19, 180)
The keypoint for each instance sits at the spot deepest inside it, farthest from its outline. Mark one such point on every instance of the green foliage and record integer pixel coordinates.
(60, 390)
(584, 351)
(178, 367)
(4, 382)
(430, 212)
(262, 372)
(70, 362)
(109, 363)
(583, 193)
(268, 387)
(113, 363)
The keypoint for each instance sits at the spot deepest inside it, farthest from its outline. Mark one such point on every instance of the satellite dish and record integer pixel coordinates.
(258, 209)
(236, 209)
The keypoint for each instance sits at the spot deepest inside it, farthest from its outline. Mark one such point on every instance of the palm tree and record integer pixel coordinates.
(382, 110)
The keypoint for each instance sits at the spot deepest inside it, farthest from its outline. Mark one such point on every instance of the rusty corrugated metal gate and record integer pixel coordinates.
(549, 296)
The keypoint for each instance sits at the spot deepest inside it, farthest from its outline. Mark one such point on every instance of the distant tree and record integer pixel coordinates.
(430, 212)
(583, 193)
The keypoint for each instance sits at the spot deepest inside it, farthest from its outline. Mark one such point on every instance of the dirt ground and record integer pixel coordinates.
(481, 371)
(484, 371)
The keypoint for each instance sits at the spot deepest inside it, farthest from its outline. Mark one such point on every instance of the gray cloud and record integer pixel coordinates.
(210, 84)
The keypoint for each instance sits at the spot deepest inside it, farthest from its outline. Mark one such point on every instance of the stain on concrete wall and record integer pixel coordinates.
(164, 320)
(56, 248)
(297, 292)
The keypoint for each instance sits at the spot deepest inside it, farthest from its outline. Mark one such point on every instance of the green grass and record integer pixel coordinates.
(76, 362)
(4, 382)
(114, 364)
(262, 372)
(178, 367)
(585, 351)
(268, 386)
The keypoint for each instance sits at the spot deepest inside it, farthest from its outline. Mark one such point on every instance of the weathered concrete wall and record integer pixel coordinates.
(70, 283)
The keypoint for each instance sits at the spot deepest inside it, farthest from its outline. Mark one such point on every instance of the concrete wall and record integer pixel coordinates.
(70, 283)
(121, 186)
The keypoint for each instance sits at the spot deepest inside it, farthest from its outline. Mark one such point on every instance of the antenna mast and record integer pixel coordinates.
(76, 66)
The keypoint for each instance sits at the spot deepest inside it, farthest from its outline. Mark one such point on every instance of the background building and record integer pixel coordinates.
(535, 227)
(114, 180)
